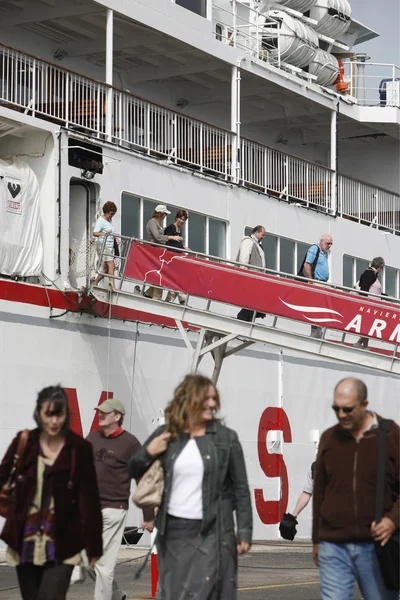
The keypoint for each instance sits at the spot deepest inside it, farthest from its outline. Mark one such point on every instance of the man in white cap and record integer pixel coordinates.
(155, 234)
(112, 447)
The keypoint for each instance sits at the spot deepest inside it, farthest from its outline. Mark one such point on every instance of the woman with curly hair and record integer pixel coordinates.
(104, 228)
(205, 482)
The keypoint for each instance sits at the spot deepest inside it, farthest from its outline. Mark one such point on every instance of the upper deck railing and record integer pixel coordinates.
(373, 84)
(45, 90)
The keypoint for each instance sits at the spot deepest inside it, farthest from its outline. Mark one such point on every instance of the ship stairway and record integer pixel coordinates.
(215, 292)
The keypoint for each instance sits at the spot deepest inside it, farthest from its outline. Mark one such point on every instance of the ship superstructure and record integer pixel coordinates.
(243, 113)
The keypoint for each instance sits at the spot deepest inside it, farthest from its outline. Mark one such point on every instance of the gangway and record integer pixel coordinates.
(215, 287)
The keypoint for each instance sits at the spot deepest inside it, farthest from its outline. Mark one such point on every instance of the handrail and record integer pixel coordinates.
(209, 285)
(234, 263)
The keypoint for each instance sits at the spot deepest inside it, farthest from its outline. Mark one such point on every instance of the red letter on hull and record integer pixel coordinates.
(273, 465)
(75, 414)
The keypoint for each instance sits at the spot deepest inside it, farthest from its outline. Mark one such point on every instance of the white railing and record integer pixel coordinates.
(373, 84)
(45, 90)
(284, 175)
(368, 204)
(161, 131)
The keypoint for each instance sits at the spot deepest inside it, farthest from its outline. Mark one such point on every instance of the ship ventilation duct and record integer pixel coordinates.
(333, 17)
(300, 5)
(298, 43)
(325, 67)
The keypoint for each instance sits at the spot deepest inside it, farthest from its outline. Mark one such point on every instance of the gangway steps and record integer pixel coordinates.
(252, 332)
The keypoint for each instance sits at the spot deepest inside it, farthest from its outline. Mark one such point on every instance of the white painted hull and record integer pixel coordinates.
(142, 364)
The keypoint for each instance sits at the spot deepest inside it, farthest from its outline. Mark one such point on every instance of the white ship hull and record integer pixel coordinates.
(141, 364)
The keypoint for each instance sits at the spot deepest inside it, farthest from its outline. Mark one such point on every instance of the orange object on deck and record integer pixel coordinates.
(340, 83)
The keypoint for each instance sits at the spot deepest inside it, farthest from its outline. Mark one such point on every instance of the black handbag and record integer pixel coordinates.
(287, 527)
(388, 555)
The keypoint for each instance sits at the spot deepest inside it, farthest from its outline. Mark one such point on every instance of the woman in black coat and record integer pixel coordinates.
(369, 282)
(205, 483)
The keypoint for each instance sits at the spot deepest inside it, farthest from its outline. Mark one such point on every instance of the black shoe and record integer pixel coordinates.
(245, 315)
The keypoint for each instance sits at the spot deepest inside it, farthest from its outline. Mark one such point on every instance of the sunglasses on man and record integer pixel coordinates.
(346, 409)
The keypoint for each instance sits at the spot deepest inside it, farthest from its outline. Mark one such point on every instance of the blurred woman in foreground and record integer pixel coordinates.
(56, 510)
(205, 482)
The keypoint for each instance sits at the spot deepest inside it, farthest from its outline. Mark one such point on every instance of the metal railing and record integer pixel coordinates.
(47, 91)
(373, 84)
(367, 204)
(161, 131)
(287, 176)
(194, 306)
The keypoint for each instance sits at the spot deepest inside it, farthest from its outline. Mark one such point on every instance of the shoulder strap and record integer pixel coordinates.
(23, 438)
(384, 428)
(314, 264)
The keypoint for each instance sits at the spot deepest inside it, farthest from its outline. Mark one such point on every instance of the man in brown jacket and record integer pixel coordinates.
(344, 499)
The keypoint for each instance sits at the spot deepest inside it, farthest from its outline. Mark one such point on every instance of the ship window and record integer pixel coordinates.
(301, 254)
(348, 267)
(270, 245)
(353, 268)
(286, 255)
(216, 237)
(197, 233)
(148, 209)
(390, 282)
(218, 32)
(196, 6)
(201, 233)
(130, 209)
(361, 266)
(282, 254)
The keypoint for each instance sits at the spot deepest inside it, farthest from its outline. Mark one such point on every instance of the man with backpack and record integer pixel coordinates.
(315, 266)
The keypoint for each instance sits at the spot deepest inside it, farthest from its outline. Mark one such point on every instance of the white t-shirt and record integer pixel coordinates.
(186, 500)
(309, 485)
(104, 226)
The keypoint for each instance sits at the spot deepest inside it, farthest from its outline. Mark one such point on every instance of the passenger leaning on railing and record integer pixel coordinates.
(251, 253)
(174, 230)
(155, 234)
(369, 282)
(105, 228)
(316, 266)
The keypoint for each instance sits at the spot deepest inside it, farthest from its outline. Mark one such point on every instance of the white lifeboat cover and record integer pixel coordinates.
(21, 248)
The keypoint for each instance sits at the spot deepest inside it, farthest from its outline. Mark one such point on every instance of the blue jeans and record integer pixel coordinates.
(341, 564)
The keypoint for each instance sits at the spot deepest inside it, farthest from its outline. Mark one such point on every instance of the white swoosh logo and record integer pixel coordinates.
(323, 320)
(311, 309)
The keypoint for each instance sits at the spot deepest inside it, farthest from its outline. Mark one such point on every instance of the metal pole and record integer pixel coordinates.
(238, 122)
(109, 70)
(234, 119)
(209, 10)
(334, 123)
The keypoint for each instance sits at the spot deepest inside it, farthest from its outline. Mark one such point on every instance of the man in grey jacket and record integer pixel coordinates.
(251, 253)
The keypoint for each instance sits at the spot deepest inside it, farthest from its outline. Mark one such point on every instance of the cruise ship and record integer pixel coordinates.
(243, 113)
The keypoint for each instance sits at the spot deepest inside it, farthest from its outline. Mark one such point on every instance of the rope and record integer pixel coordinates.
(109, 325)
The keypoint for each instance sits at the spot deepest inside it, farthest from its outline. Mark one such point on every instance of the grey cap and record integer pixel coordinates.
(111, 404)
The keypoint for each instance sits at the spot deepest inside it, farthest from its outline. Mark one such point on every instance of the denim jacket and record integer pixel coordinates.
(225, 486)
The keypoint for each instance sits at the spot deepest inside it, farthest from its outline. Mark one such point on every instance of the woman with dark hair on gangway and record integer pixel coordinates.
(56, 509)
(205, 482)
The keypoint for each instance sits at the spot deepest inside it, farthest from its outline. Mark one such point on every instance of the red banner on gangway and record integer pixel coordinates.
(264, 293)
